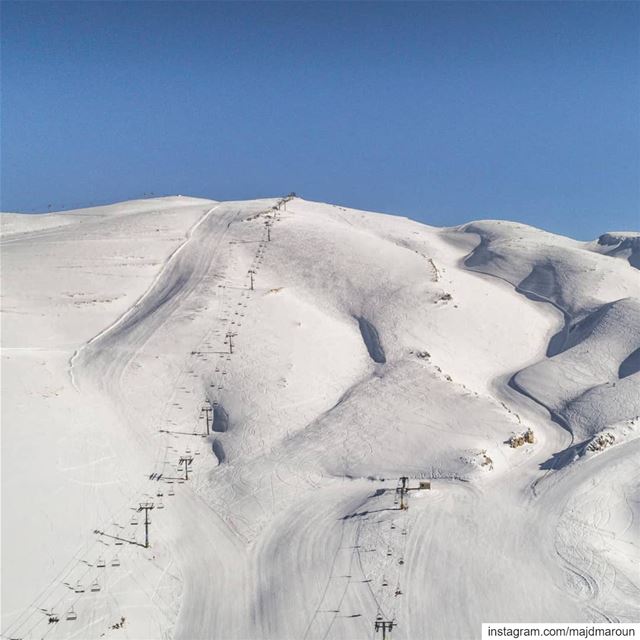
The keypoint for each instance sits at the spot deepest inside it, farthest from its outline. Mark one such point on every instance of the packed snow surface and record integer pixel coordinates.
(293, 360)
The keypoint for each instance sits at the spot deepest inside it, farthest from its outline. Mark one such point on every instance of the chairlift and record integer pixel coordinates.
(385, 583)
(160, 505)
(79, 588)
(71, 614)
(159, 493)
(404, 532)
(95, 586)
(115, 562)
(388, 552)
(171, 491)
(134, 520)
(101, 564)
(118, 542)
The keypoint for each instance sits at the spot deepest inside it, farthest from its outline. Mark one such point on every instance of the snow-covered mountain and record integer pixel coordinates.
(369, 347)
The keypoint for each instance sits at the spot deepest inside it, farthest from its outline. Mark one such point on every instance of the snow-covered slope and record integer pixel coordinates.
(587, 381)
(620, 244)
(369, 347)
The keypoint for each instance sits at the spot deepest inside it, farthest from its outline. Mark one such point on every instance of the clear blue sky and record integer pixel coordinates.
(444, 112)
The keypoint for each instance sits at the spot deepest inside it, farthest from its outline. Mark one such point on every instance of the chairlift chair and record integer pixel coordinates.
(95, 586)
(71, 614)
(134, 520)
(118, 542)
(115, 562)
(79, 588)
(160, 505)
(101, 564)
(171, 491)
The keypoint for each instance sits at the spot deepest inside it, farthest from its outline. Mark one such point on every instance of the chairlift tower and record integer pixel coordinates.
(186, 461)
(146, 507)
(230, 335)
(251, 274)
(206, 407)
(403, 491)
(384, 625)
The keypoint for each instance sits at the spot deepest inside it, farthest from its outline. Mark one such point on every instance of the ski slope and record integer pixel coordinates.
(369, 347)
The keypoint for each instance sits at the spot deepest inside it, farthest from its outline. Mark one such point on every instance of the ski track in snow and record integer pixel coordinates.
(140, 300)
